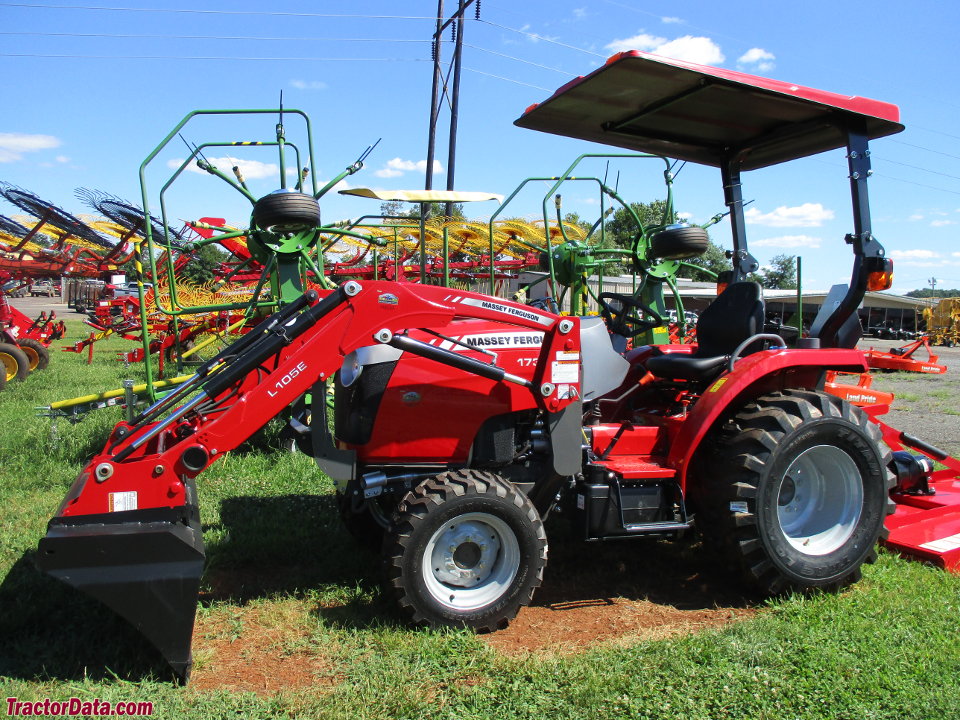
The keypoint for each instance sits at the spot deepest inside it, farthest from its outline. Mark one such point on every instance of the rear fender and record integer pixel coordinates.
(753, 376)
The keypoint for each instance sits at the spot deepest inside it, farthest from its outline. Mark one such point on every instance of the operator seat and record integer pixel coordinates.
(736, 314)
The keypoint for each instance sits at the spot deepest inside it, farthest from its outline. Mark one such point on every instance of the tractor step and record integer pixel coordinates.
(145, 565)
(927, 527)
(637, 467)
(656, 527)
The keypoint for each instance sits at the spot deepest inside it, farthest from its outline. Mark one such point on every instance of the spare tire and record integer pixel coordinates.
(286, 211)
(679, 242)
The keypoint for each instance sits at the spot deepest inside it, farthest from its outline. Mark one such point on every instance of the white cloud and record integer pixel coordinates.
(62, 159)
(701, 50)
(398, 166)
(309, 84)
(671, 20)
(758, 59)
(942, 223)
(251, 169)
(915, 217)
(913, 254)
(806, 215)
(788, 241)
(536, 37)
(642, 41)
(14, 145)
(580, 13)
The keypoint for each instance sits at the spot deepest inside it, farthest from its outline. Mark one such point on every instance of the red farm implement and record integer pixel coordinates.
(902, 358)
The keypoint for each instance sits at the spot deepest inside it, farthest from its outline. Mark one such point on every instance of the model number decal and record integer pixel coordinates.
(287, 379)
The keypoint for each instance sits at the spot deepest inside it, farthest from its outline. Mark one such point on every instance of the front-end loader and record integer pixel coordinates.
(461, 421)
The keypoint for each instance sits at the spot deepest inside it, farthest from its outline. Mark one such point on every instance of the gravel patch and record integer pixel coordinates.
(927, 406)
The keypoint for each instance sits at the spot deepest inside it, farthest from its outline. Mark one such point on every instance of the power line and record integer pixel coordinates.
(917, 167)
(210, 37)
(921, 147)
(510, 80)
(889, 177)
(195, 11)
(519, 60)
(910, 182)
(535, 36)
(937, 132)
(210, 57)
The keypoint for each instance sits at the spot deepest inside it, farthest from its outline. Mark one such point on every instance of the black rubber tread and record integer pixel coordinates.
(286, 212)
(417, 517)
(37, 354)
(170, 352)
(361, 525)
(19, 358)
(745, 447)
(679, 243)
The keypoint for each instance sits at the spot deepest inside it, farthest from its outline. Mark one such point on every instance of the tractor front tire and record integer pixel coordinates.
(798, 497)
(286, 211)
(37, 355)
(14, 362)
(361, 524)
(467, 549)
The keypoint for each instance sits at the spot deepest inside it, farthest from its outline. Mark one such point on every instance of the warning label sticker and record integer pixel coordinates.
(120, 501)
(565, 368)
(952, 542)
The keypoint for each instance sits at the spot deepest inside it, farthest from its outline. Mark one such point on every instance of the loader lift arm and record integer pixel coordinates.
(128, 531)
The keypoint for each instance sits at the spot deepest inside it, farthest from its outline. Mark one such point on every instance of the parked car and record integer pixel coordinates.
(14, 288)
(45, 287)
(125, 289)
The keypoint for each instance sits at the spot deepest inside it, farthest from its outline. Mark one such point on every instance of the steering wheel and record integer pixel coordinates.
(619, 311)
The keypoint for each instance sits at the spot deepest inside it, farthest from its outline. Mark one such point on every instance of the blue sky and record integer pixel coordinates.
(89, 89)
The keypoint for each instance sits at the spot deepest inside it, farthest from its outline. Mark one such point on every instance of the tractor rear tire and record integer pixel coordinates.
(37, 354)
(679, 243)
(467, 549)
(14, 362)
(286, 211)
(799, 493)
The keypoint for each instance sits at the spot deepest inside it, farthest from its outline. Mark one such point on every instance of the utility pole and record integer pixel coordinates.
(452, 97)
(434, 97)
(933, 283)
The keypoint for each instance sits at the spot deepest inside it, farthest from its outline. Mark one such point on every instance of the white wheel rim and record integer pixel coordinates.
(471, 561)
(820, 500)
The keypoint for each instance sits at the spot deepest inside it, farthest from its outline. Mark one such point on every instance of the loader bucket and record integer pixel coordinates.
(145, 565)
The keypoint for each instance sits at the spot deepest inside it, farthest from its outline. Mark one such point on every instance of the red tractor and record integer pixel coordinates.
(461, 421)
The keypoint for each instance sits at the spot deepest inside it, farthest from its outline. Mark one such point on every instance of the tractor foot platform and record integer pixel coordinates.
(145, 565)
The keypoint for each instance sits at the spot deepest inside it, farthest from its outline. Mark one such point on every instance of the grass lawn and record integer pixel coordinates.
(292, 622)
